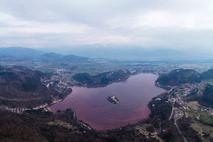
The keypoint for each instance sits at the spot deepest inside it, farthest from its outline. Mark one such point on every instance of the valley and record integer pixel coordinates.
(67, 102)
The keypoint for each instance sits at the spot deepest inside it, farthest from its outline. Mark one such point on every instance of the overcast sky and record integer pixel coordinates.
(142, 23)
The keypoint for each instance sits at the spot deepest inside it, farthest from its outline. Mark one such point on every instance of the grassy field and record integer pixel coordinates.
(210, 81)
(194, 105)
(206, 118)
(200, 128)
(204, 126)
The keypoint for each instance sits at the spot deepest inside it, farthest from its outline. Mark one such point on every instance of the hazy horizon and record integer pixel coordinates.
(111, 29)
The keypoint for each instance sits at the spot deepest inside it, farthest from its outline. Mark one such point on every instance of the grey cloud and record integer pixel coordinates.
(150, 23)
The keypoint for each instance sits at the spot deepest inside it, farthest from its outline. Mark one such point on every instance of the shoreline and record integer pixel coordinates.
(112, 82)
(131, 125)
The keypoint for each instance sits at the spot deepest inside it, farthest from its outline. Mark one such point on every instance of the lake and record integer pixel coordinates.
(92, 107)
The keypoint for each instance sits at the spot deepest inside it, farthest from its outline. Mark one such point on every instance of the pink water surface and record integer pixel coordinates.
(91, 104)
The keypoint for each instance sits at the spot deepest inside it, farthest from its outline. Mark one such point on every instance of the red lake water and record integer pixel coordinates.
(92, 107)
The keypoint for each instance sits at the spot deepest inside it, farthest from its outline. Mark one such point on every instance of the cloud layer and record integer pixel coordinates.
(141, 23)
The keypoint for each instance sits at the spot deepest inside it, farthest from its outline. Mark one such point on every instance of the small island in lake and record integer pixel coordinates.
(113, 99)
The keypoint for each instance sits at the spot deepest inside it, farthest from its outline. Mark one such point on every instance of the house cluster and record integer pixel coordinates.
(20, 110)
(60, 81)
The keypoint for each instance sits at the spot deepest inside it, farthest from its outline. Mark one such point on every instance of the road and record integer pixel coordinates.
(179, 131)
(171, 115)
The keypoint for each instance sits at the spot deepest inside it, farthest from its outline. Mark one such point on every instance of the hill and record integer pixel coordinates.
(19, 53)
(207, 97)
(37, 59)
(20, 86)
(40, 126)
(101, 79)
(207, 75)
(178, 77)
